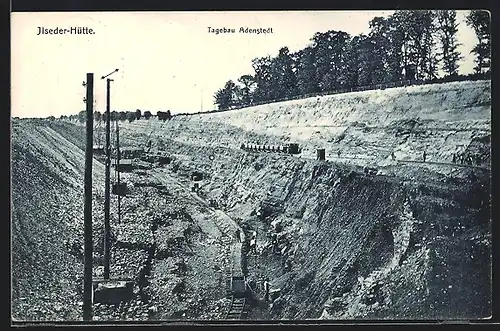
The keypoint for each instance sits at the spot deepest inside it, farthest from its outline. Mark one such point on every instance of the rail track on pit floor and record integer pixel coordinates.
(235, 284)
(236, 287)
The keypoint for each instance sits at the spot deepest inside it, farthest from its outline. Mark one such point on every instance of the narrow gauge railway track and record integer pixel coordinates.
(237, 309)
(236, 287)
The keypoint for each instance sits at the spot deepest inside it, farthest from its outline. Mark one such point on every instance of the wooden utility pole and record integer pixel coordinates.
(107, 238)
(118, 168)
(107, 232)
(87, 212)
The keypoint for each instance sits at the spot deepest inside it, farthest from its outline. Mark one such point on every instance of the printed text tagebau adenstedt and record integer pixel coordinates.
(240, 30)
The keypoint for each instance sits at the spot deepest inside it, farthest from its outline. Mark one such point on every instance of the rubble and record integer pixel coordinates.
(339, 224)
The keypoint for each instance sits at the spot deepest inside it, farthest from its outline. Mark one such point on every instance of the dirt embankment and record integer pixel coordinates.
(336, 242)
(362, 246)
(177, 265)
(413, 244)
(47, 204)
(365, 127)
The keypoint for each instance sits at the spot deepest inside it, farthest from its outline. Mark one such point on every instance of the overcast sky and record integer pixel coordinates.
(166, 60)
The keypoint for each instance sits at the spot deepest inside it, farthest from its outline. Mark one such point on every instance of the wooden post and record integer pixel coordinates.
(87, 212)
(107, 240)
(118, 168)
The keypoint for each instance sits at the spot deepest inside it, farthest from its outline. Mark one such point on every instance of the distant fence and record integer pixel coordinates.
(473, 77)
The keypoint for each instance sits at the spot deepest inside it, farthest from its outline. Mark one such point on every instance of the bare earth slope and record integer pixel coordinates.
(47, 200)
(412, 242)
(161, 243)
(416, 239)
(440, 118)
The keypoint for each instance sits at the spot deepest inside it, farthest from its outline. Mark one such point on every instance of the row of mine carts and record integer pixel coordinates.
(291, 148)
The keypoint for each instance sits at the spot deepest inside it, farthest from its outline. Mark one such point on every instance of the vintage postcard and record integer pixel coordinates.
(251, 166)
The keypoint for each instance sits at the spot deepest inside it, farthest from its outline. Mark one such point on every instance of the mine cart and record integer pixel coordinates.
(98, 150)
(112, 291)
(370, 171)
(238, 286)
(131, 152)
(320, 154)
(119, 189)
(125, 165)
(293, 148)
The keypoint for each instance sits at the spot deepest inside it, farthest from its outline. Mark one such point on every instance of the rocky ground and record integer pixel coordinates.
(413, 241)
(165, 240)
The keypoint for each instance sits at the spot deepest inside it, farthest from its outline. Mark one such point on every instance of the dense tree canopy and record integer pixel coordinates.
(410, 45)
(480, 21)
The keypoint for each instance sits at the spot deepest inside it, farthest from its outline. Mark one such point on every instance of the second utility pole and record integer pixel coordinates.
(118, 168)
(107, 241)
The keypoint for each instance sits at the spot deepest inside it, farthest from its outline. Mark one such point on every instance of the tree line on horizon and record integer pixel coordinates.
(129, 116)
(410, 45)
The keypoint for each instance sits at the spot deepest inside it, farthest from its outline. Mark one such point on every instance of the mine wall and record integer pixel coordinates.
(354, 245)
(45, 268)
(152, 244)
(333, 241)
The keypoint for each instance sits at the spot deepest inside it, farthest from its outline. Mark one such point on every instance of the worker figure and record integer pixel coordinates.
(266, 290)
(253, 246)
(472, 176)
(76, 249)
(338, 153)
(393, 156)
(424, 156)
(288, 265)
(254, 234)
(454, 158)
(238, 235)
(274, 239)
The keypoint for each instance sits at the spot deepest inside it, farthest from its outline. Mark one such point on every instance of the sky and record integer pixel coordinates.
(166, 60)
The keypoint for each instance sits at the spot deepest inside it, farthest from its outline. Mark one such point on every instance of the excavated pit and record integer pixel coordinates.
(335, 242)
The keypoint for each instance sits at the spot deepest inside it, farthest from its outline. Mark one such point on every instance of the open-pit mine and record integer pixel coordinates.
(363, 205)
